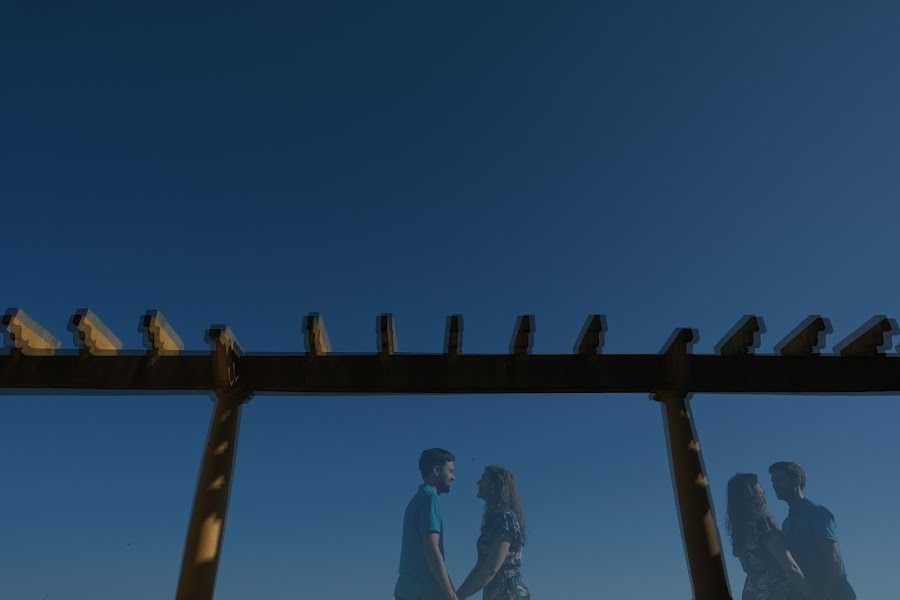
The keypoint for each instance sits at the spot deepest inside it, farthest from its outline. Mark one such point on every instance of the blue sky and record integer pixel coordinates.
(666, 165)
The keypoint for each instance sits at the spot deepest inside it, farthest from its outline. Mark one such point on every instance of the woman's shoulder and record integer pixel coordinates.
(763, 526)
(506, 522)
(506, 518)
(509, 514)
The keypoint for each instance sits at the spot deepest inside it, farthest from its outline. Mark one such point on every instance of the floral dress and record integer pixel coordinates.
(507, 584)
(765, 579)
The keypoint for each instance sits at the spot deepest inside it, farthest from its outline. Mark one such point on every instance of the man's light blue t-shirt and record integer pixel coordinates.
(423, 515)
(806, 529)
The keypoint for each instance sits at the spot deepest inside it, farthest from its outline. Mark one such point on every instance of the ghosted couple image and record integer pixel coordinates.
(423, 574)
(800, 561)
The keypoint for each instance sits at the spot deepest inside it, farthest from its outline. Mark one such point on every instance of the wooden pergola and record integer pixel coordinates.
(859, 365)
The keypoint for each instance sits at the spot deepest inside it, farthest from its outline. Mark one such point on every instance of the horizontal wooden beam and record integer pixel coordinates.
(460, 374)
(133, 372)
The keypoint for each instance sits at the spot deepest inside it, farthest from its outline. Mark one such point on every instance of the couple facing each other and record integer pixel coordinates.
(802, 561)
(423, 574)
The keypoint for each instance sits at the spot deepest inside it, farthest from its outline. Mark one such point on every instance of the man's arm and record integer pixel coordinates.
(785, 560)
(832, 560)
(831, 556)
(435, 561)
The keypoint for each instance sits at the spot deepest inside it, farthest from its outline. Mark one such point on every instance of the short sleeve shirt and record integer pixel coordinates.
(506, 525)
(806, 530)
(423, 515)
(765, 578)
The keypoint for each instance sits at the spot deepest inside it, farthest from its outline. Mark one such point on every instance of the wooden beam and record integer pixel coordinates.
(463, 374)
(317, 342)
(160, 337)
(125, 371)
(702, 542)
(387, 336)
(26, 336)
(871, 338)
(92, 335)
(806, 338)
(206, 528)
(702, 545)
(743, 338)
(590, 340)
(523, 336)
(454, 335)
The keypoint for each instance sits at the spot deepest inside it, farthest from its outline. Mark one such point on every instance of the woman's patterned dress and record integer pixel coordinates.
(765, 579)
(507, 584)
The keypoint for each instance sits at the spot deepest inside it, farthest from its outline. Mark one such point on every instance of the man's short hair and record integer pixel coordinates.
(794, 471)
(434, 457)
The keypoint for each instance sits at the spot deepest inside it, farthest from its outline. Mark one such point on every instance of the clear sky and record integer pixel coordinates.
(666, 164)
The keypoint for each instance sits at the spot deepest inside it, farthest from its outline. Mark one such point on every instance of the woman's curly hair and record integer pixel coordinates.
(502, 495)
(745, 505)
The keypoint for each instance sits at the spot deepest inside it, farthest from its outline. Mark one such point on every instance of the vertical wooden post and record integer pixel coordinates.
(200, 562)
(700, 534)
(698, 524)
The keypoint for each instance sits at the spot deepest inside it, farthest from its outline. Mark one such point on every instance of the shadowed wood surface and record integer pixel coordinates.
(465, 373)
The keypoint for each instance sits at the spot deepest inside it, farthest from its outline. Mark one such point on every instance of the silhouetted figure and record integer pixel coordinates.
(501, 541)
(423, 575)
(772, 573)
(811, 535)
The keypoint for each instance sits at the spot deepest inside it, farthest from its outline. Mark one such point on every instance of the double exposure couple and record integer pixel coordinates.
(800, 561)
(423, 574)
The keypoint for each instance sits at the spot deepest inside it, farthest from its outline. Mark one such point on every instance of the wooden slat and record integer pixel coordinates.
(523, 336)
(870, 338)
(91, 334)
(590, 340)
(387, 336)
(454, 335)
(805, 339)
(160, 337)
(743, 338)
(317, 342)
(25, 335)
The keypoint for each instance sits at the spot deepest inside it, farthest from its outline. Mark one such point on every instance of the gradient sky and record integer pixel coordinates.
(666, 164)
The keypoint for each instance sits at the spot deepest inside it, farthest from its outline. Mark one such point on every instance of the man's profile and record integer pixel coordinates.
(423, 574)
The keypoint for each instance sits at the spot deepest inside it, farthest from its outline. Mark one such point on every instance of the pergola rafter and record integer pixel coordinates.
(860, 365)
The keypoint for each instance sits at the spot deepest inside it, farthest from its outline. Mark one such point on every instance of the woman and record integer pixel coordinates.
(756, 540)
(501, 540)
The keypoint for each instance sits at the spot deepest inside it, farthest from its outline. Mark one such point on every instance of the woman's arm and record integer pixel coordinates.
(775, 546)
(486, 569)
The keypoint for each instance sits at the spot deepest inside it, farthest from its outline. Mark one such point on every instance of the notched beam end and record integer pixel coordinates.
(523, 336)
(681, 341)
(806, 339)
(675, 373)
(869, 339)
(222, 335)
(159, 336)
(590, 340)
(387, 336)
(226, 358)
(453, 335)
(743, 338)
(26, 335)
(92, 335)
(317, 342)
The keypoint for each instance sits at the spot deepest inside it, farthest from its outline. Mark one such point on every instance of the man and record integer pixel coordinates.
(423, 575)
(811, 536)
